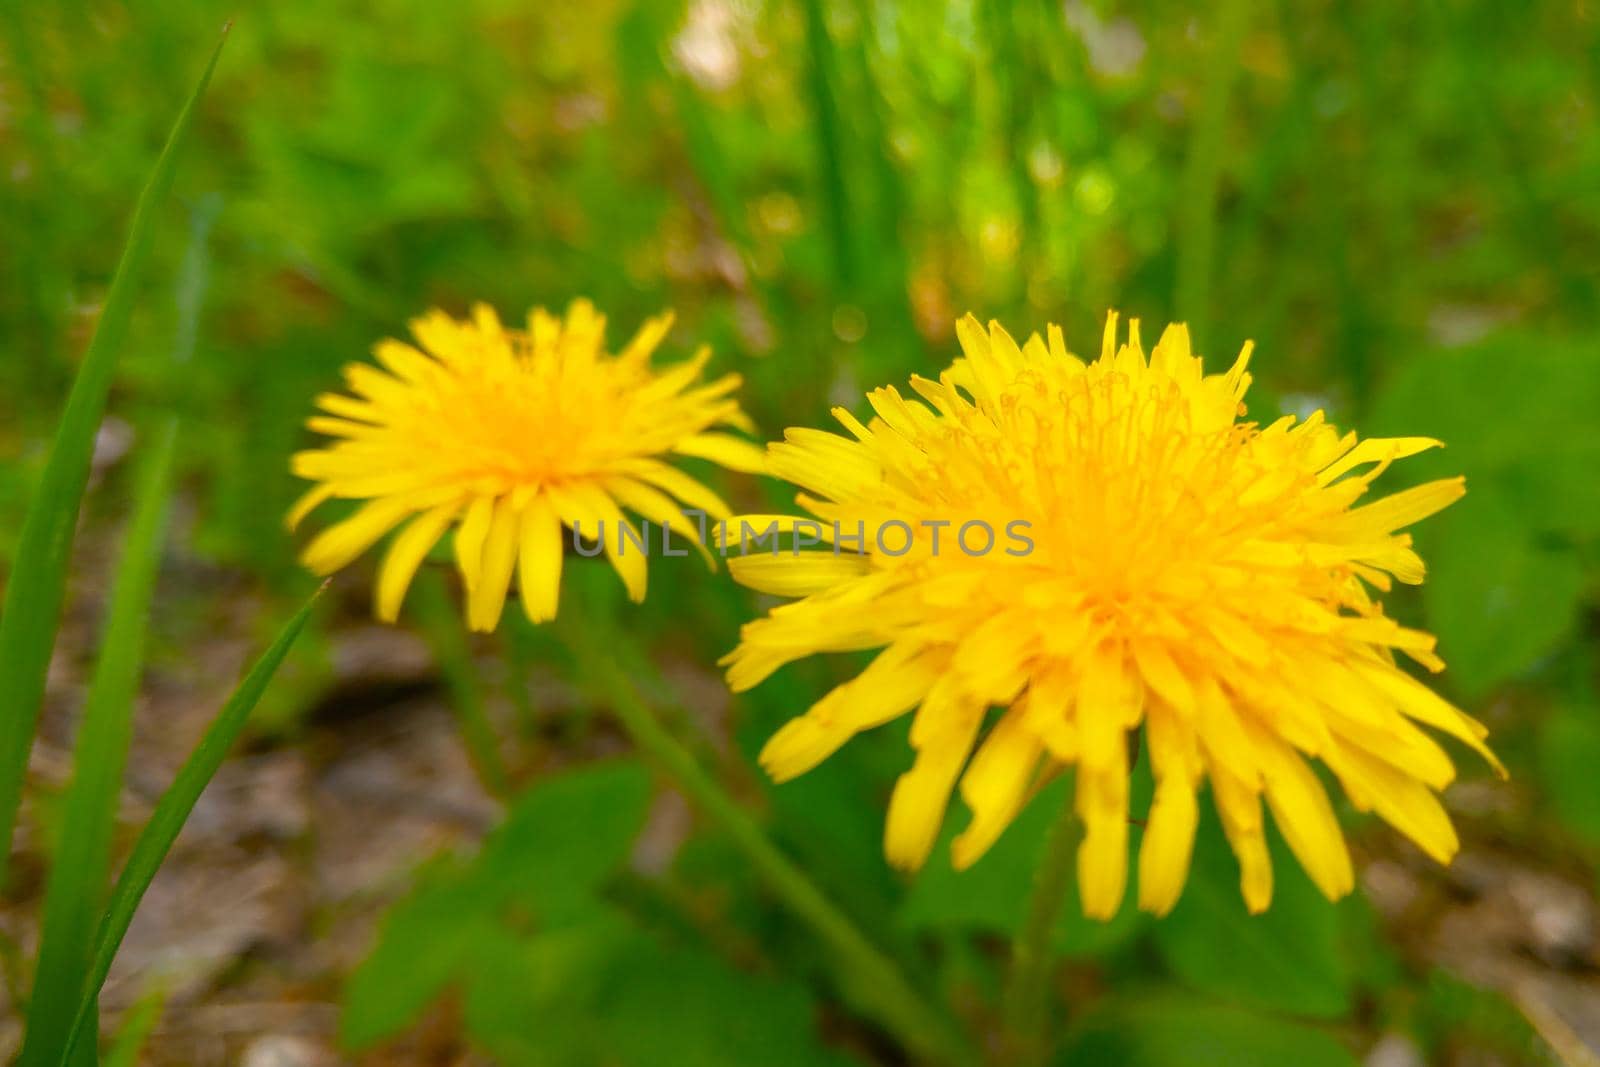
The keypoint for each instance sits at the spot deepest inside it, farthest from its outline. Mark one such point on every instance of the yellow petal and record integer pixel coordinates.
(1108, 338)
(405, 555)
(404, 361)
(438, 333)
(1162, 675)
(1172, 350)
(993, 657)
(1300, 807)
(470, 537)
(726, 450)
(1240, 809)
(348, 407)
(659, 508)
(788, 573)
(345, 428)
(1049, 714)
(1106, 700)
(1401, 800)
(595, 513)
(341, 543)
(996, 784)
(1223, 737)
(979, 365)
(1424, 705)
(1168, 842)
(1376, 450)
(637, 351)
(917, 806)
(487, 600)
(540, 549)
(1102, 803)
(313, 499)
(680, 485)
(1108, 705)
(727, 534)
(893, 683)
(1402, 509)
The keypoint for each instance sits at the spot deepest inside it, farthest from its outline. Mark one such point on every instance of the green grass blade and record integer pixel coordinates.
(830, 150)
(138, 1023)
(172, 811)
(81, 871)
(36, 587)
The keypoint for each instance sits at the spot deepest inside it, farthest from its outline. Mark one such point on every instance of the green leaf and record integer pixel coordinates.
(1506, 577)
(710, 1015)
(1568, 753)
(1510, 411)
(602, 993)
(544, 999)
(78, 879)
(1497, 598)
(1170, 1030)
(541, 868)
(172, 811)
(567, 834)
(425, 944)
(1286, 959)
(36, 587)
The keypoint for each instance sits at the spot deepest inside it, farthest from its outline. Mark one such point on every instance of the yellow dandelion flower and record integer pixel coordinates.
(509, 437)
(1095, 548)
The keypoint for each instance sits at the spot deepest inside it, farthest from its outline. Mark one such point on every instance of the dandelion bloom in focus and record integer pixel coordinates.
(508, 436)
(1171, 568)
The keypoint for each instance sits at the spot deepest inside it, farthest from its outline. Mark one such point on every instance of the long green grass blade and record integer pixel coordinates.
(36, 587)
(81, 871)
(172, 811)
(830, 136)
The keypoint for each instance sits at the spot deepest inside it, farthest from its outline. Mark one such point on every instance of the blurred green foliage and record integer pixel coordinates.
(550, 972)
(1406, 218)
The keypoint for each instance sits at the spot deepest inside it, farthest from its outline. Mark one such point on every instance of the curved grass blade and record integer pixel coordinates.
(36, 587)
(80, 872)
(172, 811)
(81, 869)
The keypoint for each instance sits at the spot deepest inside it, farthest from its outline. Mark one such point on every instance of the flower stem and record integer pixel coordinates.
(442, 630)
(518, 636)
(1026, 995)
(921, 1027)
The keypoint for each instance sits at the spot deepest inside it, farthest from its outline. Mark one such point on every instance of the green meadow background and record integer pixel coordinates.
(1400, 204)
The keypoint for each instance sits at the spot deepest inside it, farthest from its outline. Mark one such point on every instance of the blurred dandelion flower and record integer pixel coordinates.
(1206, 578)
(508, 436)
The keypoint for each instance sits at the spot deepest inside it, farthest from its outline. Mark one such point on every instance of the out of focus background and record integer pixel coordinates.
(1399, 203)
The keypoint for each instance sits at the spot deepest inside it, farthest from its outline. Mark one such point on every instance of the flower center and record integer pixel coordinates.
(1141, 494)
